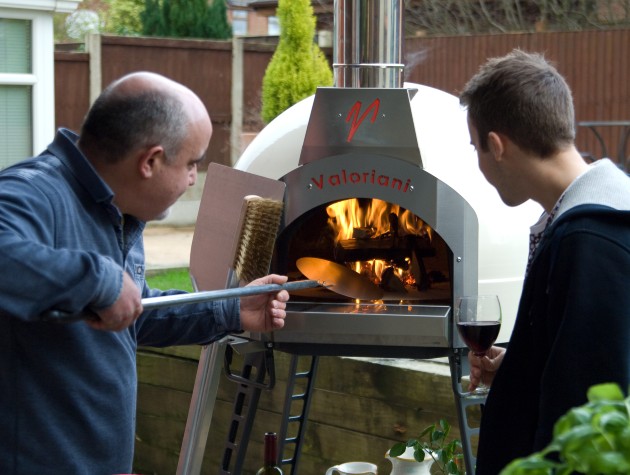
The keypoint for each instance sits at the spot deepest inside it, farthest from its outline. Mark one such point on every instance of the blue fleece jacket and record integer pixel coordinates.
(68, 392)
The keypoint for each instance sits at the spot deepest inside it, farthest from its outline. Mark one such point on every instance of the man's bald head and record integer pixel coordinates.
(137, 111)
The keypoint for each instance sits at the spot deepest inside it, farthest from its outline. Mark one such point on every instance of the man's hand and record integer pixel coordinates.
(125, 310)
(265, 312)
(482, 370)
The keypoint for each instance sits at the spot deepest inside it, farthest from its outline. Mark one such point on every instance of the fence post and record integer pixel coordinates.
(236, 125)
(93, 47)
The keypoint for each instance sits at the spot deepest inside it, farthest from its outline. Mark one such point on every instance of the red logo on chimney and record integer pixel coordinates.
(353, 114)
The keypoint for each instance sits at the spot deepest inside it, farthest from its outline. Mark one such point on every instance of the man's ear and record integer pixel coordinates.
(149, 159)
(496, 145)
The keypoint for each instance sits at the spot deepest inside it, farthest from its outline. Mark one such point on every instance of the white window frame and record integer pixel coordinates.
(240, 17)
(42, 77)
(273, 26)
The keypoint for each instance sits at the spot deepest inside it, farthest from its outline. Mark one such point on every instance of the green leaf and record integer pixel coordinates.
(451, 467)
(575, 417)
(611, 422)
(602, 463)
(623, 440)
(577, 440)
(397, 449)
(605, 391)
(437, 435)
(428, 429)
(532, 465)
(446, 427)
(419, 454)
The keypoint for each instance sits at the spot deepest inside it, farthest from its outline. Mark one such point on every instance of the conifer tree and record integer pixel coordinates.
(166, 15)
(177, 21)
(152, 19)
(186, 19)
(298, 66)
(217, 21)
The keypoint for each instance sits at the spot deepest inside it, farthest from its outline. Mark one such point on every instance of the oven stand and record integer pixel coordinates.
(458, 362)
(251, 383)
(201, 407)
(257, 374)
(297, 403)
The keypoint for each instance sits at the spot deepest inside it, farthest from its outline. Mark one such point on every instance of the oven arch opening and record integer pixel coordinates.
(384, 242)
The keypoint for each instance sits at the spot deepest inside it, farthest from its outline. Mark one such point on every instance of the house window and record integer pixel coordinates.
(239, 22)
(273, 26)
(16, 90)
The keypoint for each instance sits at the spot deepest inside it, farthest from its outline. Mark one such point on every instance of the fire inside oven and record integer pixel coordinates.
(383, 242)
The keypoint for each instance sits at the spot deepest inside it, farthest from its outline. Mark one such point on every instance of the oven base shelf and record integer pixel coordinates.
(364, 329)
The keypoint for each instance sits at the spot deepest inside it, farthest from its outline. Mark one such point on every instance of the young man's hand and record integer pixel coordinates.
(482, 370)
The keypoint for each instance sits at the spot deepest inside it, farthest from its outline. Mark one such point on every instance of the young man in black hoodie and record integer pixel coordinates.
(573, 324)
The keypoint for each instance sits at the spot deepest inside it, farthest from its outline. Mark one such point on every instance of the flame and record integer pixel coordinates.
(373, 217)
(370, 219)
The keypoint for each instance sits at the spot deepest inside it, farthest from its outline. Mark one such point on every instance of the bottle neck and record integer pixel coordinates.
(271, 448)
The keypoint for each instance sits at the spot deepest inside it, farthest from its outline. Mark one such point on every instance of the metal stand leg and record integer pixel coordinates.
(299, 417)
(257, 365)
(243, 413)
(463, 401)
(201, 408)
(213, 357)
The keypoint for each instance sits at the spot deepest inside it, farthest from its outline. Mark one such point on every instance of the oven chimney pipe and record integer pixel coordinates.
(367, 46)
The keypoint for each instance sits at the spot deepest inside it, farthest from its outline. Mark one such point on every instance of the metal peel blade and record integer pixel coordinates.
(339, 278)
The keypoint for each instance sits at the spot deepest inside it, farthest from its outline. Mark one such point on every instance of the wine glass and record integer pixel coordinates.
(478, 319)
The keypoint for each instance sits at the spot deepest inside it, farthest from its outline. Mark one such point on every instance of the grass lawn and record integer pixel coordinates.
(170, 279)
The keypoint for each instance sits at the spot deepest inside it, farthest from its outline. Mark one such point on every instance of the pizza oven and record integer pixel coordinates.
(360, 197)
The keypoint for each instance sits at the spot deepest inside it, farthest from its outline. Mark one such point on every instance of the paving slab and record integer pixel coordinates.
(167, 247)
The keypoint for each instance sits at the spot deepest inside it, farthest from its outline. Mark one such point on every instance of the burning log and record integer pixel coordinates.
(390, 281)
(386, 247)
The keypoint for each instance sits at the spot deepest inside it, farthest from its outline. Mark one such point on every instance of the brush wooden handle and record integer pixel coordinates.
(152, 303)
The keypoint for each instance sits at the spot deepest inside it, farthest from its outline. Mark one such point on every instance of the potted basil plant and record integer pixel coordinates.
(591, 439)
(447, 457)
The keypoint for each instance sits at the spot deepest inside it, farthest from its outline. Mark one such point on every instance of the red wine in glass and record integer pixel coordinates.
(478, 319)
(479, 336)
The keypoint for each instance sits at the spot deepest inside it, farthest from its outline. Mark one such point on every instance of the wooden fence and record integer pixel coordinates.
(204, 66)
(596, 65)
